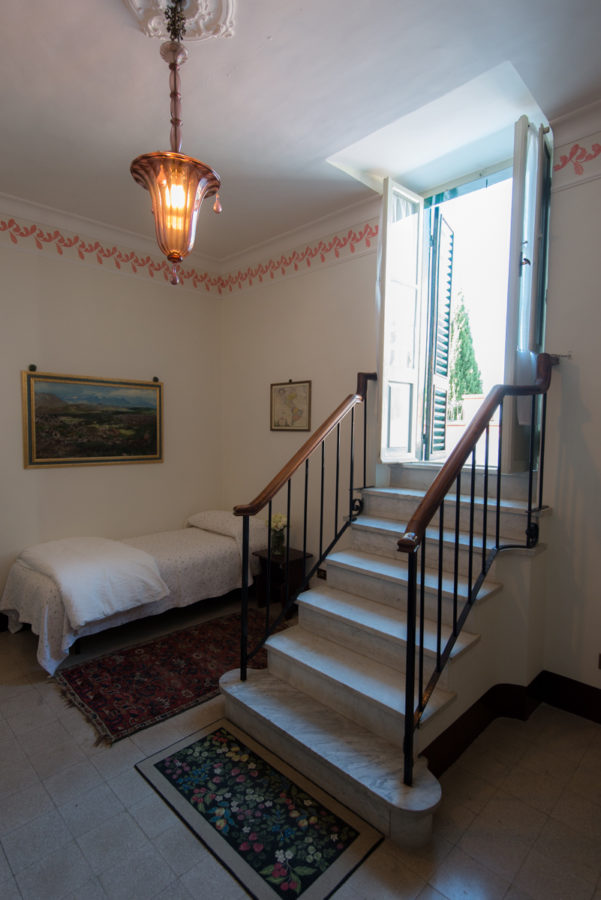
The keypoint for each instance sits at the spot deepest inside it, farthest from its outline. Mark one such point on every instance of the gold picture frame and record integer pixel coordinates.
(73, 420)
(290, 408)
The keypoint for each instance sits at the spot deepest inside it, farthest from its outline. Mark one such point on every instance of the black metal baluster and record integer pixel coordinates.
(531, 530)
(485, 510)
(268, 572)
(337, 479)
(287, 566)
(244, 613)
(472, 506)
(541, 462)
(365, 437)
(456, 561)
(439, 594)
(305, 514)
(422, 624)
(410, 669)
(352, 465)
(321, 500)
(499, 465)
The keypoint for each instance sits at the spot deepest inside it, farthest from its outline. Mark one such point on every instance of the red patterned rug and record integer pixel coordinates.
(128, 690)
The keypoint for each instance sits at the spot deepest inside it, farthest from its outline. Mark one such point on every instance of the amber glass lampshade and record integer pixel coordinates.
(178, 184)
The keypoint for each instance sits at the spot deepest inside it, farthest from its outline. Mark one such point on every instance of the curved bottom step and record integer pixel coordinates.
(358, 768)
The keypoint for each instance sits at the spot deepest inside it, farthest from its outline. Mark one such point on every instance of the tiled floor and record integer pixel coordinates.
(520, 818)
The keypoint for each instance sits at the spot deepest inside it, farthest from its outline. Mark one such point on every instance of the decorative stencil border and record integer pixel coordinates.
(295, 261)
(577, 162)
(327, 250)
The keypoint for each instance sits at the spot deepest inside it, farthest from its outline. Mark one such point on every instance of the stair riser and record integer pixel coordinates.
(346, 790)
(383, 545)
(398, 508)
(382, 649)
(415, 477)
(387, 592)
(357, 707)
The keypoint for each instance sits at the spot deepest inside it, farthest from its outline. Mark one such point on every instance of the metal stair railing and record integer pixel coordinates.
(321, 521)
(447, 487)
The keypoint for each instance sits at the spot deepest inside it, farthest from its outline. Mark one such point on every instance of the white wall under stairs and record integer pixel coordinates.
(332, 699)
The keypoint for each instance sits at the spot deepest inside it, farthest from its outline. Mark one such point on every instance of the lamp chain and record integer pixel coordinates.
(175, 54)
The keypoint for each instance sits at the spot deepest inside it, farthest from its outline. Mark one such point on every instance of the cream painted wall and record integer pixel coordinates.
(318, 326)
(72, 317)
(573, 462)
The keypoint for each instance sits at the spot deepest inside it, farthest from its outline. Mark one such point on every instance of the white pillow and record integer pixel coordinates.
(224, 522)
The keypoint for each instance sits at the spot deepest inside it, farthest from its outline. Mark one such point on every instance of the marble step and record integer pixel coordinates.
(366, 691)
(420, 475)
(375, 534)
(400, 503)
(361, 769)
(373, 629)
(385, 581)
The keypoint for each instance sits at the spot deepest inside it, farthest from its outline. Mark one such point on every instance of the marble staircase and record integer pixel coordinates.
(331, 702)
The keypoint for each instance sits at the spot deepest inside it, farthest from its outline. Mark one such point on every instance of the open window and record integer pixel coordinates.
(416, 284)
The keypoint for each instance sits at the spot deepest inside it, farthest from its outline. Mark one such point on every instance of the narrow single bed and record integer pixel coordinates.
(181, 567)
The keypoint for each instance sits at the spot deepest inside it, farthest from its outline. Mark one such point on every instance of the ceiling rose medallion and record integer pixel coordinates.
(204, 18)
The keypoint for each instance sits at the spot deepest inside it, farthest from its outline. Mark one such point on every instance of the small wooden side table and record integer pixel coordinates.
(277, 564)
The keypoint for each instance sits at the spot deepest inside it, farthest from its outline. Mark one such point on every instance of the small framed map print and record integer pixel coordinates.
(72, 420)
(291, 406)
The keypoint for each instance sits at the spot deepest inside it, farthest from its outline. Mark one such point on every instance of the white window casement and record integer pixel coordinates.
(414, 284)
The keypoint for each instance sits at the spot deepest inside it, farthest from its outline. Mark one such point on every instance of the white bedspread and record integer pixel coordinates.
(97, 577)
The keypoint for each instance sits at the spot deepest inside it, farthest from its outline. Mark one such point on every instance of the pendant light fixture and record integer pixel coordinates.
(177, 183)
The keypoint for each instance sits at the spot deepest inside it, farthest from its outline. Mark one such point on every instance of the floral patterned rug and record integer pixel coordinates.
(130, 689)
(277, 833)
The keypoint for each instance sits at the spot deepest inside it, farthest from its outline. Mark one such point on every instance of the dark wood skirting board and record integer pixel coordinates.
(516, 702)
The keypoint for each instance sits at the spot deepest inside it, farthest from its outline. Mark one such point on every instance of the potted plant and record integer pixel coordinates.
(279, 523)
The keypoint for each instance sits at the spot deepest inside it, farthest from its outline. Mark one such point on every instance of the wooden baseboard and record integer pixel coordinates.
(512, 701)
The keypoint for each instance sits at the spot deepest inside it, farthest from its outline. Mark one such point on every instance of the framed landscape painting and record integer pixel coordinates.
(291, 406)
(71, 420)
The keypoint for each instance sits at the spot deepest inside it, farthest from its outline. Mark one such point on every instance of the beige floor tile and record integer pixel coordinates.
(140, 877)
(90, 809)
(543, 878)
(460, 877)
(62, 871)
(423, 860)
(70, 783)
(385, 876)
(52, 762)
(44, 738)
(176, 890)
(535, 788)
(23, 806)
(29, 843)
(153, 815)
(579, 813)
(90, 890)
(430, 893)
(130, 787)
(117, 758)
(462, 787)
(208, 878)
(110, 843)
(577, 852)
(179, 847)
(9, 889)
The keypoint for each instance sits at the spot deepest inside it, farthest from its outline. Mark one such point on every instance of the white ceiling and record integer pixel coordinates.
(83, 91)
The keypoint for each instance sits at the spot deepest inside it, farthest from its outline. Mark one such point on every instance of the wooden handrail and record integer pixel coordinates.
(416, 527)
(269, 492)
